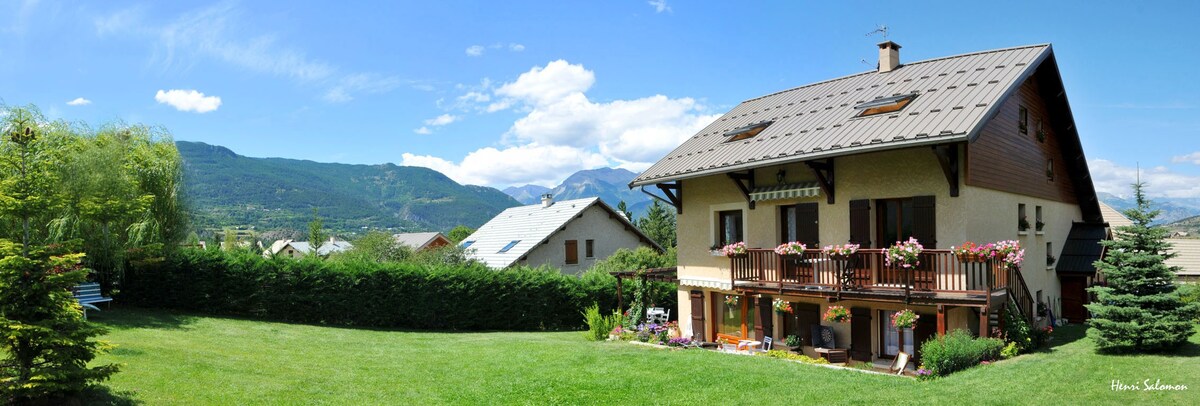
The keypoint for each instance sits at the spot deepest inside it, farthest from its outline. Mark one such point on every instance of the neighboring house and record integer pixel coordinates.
(297, 249)
(569, 235)
(1187, 250)
(946, 150)
(422, 241)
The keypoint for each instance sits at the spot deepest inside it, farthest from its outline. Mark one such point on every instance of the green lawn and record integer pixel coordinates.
(178, 359)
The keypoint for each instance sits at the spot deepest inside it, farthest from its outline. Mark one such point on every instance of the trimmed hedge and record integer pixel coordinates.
(369, 294)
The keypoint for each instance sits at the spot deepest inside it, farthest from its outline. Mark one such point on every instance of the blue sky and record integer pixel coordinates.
(508, 93)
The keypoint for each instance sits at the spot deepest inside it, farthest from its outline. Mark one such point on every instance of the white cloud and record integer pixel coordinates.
(188, 100)
(660, 6)
(515, 47)
(423, 131)
(554, 82)
(1192, 158)
(361, 83)
(1109, 177)
(79, 101)
(442, 120)
(475, 50)
(558, 117)
(536, 164)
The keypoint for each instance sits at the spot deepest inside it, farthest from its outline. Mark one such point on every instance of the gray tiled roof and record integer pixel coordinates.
(416, 240)
(955, 97)
(1113, 217)
(1187, 255)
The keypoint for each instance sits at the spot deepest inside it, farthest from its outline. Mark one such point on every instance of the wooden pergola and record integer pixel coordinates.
(667, 275)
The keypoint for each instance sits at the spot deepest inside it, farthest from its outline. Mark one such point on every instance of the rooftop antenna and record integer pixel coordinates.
(882, 29)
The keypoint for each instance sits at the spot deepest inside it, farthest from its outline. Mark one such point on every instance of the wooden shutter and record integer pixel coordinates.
(806, 220)
(572, 252)
(860, 222)
(697, 315)
(860, 334)
(924, 221)
(766, 320)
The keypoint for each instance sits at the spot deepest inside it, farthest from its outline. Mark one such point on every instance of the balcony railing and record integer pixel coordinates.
(940, 271)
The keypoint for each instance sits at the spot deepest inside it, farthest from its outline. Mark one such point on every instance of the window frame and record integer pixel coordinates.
(571, 251)
(898, 103)
(589, 248)
(881, 212)
(509, 246)
(1023, 119)
(721, 226)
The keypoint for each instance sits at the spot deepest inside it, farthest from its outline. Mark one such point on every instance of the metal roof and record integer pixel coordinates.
(957, 95)
(417, 240)
(1113, 217)
(1187, 255)
(529, 226)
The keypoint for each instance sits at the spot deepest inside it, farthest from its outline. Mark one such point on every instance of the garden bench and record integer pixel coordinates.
(88, 294)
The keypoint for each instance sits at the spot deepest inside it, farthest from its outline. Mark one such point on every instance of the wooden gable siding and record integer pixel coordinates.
(1002, 158)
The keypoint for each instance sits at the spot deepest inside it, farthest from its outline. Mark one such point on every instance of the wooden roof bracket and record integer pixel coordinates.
(824, 173)
(947, 156)
(674, 193)
(748, 178)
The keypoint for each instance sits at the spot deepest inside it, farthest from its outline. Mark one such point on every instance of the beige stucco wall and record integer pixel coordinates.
(977, 214)
(594, 224)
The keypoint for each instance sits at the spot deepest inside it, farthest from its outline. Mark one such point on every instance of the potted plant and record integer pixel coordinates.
(905, 319)
(735, 250)
(732, 300)
(794, 342)
(1023, 224)
(782, 306)
(791, 250)
(836, 314)
(1050, 259)
(1039, 225)
(971, 252)
(840, 252)
(1009, 252)
(904, 254)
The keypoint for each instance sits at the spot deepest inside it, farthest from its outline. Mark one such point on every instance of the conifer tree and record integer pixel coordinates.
(1139, 310)
(46, 344)
(659, 225)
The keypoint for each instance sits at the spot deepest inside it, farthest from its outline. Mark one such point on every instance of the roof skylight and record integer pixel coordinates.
(508, 246)
(746, 132)
(466, 244)
(884, 105)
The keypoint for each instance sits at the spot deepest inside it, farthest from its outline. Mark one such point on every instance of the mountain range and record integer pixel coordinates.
(610, 184)
(224, 189)
(1172, 209)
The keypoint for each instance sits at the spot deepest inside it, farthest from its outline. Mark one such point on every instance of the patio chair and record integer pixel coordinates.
(657, 315)
(900, 363)
(88, 294)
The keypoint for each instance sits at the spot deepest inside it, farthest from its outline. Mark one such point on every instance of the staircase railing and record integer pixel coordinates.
(1018, 292)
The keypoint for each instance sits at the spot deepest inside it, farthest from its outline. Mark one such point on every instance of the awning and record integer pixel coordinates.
(788, 191)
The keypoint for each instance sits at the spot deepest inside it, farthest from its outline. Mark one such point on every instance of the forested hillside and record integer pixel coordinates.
(225, 189)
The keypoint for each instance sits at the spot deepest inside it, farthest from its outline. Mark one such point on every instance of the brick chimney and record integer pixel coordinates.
(889, 56)
(547, 200)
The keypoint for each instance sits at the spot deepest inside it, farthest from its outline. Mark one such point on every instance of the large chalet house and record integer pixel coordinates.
(979, 147)
(569, 235)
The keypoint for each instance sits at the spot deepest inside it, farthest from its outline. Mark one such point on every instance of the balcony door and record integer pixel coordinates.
(898, 219)
(799, 222)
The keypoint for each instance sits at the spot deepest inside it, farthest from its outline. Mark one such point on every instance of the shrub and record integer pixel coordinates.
(1017, 330)
(599, 325)
(1010, 350)
(794, 357)
(793, 341)
(958, 351)
(363, 293)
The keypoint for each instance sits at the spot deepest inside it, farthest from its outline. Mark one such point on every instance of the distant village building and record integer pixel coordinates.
(422, 241)
(569, 235)
(1187, 250)
(297, 249)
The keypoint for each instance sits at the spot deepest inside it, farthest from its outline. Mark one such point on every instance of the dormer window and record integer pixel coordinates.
(884, 105)
(746, 132)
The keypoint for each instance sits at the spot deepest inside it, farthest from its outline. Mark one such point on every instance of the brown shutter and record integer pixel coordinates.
(860, 334)
(572, 252)
(766, 320)
(807, 221)
(924, 224)
(860, 222)
(697, 315)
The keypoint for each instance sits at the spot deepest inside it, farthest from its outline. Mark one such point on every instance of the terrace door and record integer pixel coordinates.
(800, 322)
(799, 223)
(890, 342)
(860, 334)
(1074, 296)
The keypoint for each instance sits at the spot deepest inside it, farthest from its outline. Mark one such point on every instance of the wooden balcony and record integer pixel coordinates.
(940, 278)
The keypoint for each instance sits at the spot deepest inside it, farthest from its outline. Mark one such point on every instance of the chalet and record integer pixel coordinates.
(569, 235)
(422, 241)
(979, 147)
(297, 249)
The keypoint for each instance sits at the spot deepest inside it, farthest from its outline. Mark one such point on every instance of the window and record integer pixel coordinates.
(1022, 221)
(737, 319)
(1050, 169)
(1037, 218)
(1040, 132)
(1023, 120)
(799, 223)
(895, 220)
(884, 105)
(467, 244)
(590, 248)
(891, 337)
(508, 246)
(1050, 254)
(746, 132)
(572, 254)
(729, 227)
